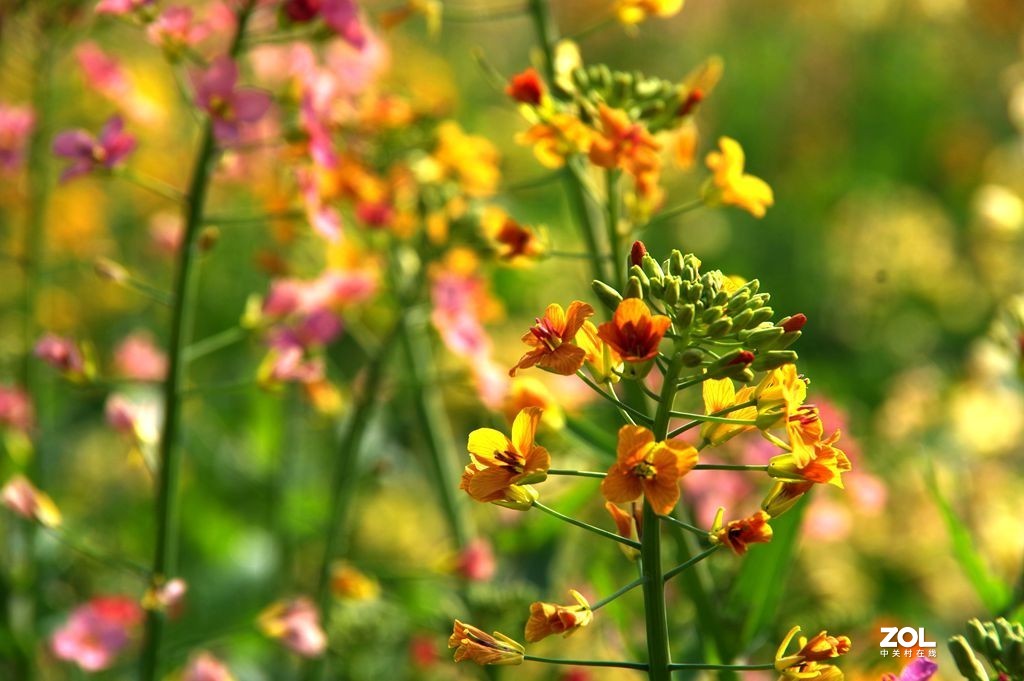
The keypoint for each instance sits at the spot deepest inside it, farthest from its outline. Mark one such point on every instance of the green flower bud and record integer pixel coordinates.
(634, 289)
(672, 293)
(743, 319)
(738, 301)
(658, 288)
(761, 336)
(608, 296)
(676, 263)
(692, 357)
(762, 314)
(712, 314)
(652, 268)
(638, 272)
(684, 316)
(773, 359)
(969, 666)
(720, 328)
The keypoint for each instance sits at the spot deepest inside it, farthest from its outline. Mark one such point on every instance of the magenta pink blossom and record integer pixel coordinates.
(16, 124)
(325, 220)
(476, 562)
(296, 624)
(137, 357)
(176, 29)
(103, 72)
(120, 7)
(343, 17)
(301, 11)
(16, 410)
(921, 669)
(61, 353)
(206, 667)
(87, 153)
(229, 106)
(97, 632)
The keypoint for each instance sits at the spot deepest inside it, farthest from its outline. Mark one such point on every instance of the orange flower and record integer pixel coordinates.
(624, 144)
(559, 136)
(738, 534)
(527, 391)
(547, 619)
(601, 359)
(513, 241)
(633, 332)
(645, 467)
(552, 340)
(825, 466)
(804, 664)
(526, 87)
(499, 463)
(627, 525)
(478, 646)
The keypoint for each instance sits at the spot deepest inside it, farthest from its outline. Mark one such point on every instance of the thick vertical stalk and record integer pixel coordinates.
(659, 656)
(169, 463)
(586, 213)
(344, 481)
(430, 412)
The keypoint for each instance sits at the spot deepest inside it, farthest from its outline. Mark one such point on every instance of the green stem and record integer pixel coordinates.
(217, 341)
(711, 418)
(433, 418)
(580, 474)
(622, 406)
(679, 666)
(692, 561)
(614, 235)
(579, 523)
(582, 208)
(670, 213)
(344, 481)
(626, 589)
(658, 651)
(151, 184)
(728, 467)
(169, 457)
(686, 526)
(587, 663)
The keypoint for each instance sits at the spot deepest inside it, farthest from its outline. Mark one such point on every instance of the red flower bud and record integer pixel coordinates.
(794, 323)
(637, 253)
(742, 357)
(526, 87)
(695, 97)
(301, 11)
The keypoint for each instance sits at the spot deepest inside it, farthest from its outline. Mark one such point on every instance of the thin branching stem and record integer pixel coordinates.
(586, 526)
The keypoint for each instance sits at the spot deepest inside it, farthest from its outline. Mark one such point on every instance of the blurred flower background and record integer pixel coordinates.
(892, 133)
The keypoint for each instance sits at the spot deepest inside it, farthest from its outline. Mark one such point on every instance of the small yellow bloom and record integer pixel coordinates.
(602, 359)
(631, 12)
(471, 159)
(527, 391)
(501, 466)
(547, 619)
(557, 137)
(780, 397)
(733, 186)
(719, 395)
(350, 583)
(478, 646)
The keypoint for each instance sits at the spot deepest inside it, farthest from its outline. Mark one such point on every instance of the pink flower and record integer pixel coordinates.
(325, 220)
(288, 363)
(120, 7)
(61, 353)
(343, 17)
(166, 232)
(15, 409)
(175, 29)
(97, 632)
(228, 106)
(103, 72)
(87, 153)
(205, 667)
(921, 669)
(16, 124)
(296, 624)
(378, 214)
(476, 562)
(21, 496)
(139, 359)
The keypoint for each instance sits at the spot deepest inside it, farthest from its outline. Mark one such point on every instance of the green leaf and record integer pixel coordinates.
(991, 591)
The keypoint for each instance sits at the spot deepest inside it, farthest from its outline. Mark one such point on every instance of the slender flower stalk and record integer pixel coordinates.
(585, 526)
(624, 590)
(587, 663)
(579, 474)
(169, 455)
(691, 562)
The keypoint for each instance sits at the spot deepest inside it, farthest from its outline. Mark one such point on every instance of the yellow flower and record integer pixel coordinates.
(783, 496)
(780, 399)
(527, 391)
(547, 619)
(631, 12)
(719, 395)
(825, 466)
(734, 187)
(601, 358)
(478, 646)
(500, 465)
(627, 525)
(559, 136)
(352, 584)
(472, 159)
(806, 663)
